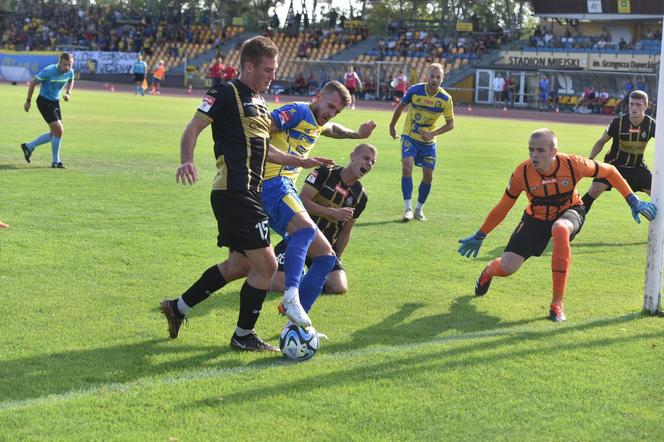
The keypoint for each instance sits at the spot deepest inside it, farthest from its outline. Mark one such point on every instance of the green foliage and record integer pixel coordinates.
(412, 355)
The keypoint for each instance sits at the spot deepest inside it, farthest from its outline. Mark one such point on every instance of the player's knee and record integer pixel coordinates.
(336, 288)
(561, 231)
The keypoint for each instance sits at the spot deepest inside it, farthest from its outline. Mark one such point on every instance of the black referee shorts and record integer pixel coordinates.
(49, 109)
(241, 220)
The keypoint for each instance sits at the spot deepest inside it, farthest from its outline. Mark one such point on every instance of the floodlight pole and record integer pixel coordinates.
(653, 286)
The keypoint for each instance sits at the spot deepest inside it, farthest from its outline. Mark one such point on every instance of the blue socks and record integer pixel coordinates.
(42, 139)
(296, 252)
(423, 192)
(55, 148)
(313, 281)
(407, 187)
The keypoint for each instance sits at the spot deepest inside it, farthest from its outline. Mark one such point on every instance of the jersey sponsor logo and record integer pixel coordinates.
(349, 200)
(312, 177)
(549, 181)
(207, 103)
(341, 190)
(634, 130)
(286, 116)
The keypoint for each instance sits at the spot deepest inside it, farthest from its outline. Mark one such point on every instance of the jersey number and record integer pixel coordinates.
(263, 229)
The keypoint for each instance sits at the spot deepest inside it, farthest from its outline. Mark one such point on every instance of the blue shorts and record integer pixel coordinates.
(424, 154)
(280, 202)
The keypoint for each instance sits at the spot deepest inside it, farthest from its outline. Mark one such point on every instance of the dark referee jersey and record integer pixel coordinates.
(332, 192)
(629, 142)
(241, 132)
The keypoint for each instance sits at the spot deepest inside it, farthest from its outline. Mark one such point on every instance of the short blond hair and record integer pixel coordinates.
(545, 133)
(336, 87)
(436, 66)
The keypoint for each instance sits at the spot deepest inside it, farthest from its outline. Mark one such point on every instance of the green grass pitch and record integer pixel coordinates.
(412, 355)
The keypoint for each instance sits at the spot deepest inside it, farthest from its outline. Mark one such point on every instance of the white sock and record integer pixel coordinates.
(408, 204)
(291, 294)
(243, 331)
(419, 206)
(183, 307)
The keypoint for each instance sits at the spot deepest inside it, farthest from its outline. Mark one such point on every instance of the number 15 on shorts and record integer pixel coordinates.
(263, 229)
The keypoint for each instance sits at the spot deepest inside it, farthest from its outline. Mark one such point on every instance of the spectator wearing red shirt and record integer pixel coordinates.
(216, 72)
(230, 72)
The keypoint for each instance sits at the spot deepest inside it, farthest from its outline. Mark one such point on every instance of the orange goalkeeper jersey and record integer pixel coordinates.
(550, 195)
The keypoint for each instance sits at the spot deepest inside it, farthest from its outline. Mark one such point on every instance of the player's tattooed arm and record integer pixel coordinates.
(335, 130)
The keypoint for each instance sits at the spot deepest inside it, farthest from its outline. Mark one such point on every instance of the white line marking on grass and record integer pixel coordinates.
(197, 375)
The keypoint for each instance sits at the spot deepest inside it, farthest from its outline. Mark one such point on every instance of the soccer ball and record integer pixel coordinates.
(297, 343)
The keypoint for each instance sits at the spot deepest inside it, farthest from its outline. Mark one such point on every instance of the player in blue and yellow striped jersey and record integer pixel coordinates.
(296, 128)
(428, 102)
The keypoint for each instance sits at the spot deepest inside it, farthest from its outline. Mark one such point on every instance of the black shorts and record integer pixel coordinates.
(351, 90)
(398, 94)
(242, 222)
(49, 109)
(139, 78)
(531, 236)
(639, 178)
(280, 251)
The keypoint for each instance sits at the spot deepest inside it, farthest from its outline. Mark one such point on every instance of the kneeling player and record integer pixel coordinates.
(334, 198)
(555, 210)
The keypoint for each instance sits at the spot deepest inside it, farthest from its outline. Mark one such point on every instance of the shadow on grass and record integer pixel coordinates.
(378, 223)
(76, 370)
(402, 365)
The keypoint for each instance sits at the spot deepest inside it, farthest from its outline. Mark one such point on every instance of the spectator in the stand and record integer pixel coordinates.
(602, 98)
(400, 85)
(312, 84)
(509, 90)
(299, 85)
(498, 87)
(370, 89)
(352, 83)
(628, 87)
(640, 83)
(543, 96)
(216, 72)
(552, 102)
(230, 72)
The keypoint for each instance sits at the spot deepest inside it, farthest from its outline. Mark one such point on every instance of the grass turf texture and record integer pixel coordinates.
(413, 355)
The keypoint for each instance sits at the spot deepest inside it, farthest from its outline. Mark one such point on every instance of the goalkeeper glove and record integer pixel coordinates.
(648, 210)
(472, 244)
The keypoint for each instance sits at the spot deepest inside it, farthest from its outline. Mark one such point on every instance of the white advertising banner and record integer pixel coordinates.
(96, 62)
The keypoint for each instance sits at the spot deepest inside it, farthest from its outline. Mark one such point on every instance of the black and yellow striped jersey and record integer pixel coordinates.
(332, 192)
(629, 141)
(240, 122)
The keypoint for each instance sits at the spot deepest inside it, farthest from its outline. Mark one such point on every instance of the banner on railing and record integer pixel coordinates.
(96, 62)
(33, 62)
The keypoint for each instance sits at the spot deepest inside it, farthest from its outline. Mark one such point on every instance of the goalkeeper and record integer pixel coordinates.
(555, 210)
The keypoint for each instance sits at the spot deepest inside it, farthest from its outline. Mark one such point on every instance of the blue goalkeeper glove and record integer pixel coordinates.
(471, 245)
(648, 210)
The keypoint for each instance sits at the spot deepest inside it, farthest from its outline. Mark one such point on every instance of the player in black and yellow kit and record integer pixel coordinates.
(334, 198)
(240, 123)
(631, 133)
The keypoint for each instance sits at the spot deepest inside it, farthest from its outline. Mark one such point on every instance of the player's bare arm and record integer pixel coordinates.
(599, 145)
(339, 214)
(31, 90)
(336, 130)
(70, 86)
(186, 173)
(395, 117)
(344, 237)
(276, 156)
